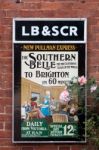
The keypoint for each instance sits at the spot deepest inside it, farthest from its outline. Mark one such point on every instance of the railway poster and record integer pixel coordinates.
(49, 56)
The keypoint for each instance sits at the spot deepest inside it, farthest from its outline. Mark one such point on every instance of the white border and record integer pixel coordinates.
(12, 90)
(86, 77)
(50, 19)
(85, 41)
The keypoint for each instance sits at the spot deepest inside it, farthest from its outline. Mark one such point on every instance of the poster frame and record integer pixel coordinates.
(35, 42)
